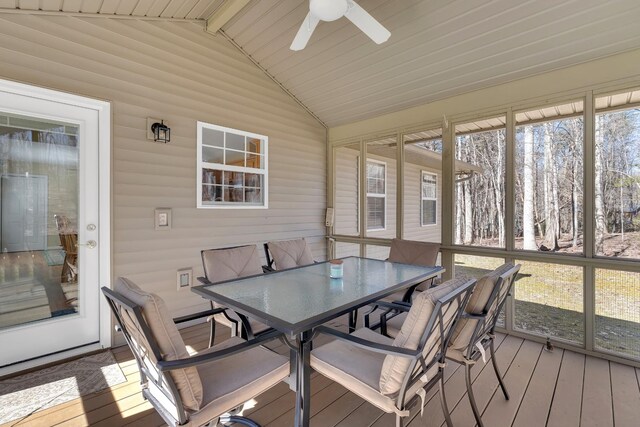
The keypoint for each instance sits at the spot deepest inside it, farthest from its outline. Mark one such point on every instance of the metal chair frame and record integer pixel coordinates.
(484, 334)
(419, 366)
(160, 379)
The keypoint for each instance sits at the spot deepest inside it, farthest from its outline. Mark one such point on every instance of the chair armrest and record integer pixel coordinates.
(204, 281)
(198, 315)
(369, 345)
(466, 315)
(267, 269)
(199, 359)
(395, 305)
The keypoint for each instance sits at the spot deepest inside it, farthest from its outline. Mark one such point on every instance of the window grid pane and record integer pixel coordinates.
(223, 153)
(617, 325)
(480, 200)
(549, 301)
(376, 201)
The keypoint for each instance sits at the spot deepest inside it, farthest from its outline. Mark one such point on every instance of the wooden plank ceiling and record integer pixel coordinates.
(437, 49)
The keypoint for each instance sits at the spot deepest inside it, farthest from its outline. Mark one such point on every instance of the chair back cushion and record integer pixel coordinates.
(415, 253)
(167, 336)
(231, 263)
(290, 253)
(464, 329)
(394, 368)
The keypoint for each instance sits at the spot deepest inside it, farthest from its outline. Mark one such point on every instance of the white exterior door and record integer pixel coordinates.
(50, 266)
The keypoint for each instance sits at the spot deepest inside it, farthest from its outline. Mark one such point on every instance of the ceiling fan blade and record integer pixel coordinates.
(367, 23)
(304, 33)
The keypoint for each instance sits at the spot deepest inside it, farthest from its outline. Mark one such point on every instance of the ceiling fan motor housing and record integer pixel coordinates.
(328, 10)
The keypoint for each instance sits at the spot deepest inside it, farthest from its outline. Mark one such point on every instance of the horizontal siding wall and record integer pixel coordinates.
(176, 72)
(413, 229)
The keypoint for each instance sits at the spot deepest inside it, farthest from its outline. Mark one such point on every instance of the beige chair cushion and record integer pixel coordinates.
(290, 253)
(464, 328)
(231, 263)
(355, 368)
(395, 368)
(415, 253)
(166, 335)
(231, 381)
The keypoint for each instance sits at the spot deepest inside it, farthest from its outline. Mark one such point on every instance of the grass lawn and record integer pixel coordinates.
(549, 302)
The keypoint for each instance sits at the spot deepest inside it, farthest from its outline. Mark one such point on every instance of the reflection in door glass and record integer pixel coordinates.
(39, 211)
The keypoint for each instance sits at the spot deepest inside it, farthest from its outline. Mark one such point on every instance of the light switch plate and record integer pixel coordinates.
(184, 278)
(162, 219)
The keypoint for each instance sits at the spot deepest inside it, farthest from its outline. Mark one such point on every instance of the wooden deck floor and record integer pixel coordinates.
(557, 389)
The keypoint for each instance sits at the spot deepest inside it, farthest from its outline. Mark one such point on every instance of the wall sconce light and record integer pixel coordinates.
(161, 132)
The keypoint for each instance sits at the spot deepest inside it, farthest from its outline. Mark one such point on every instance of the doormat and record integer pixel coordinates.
(23, 395)
(54, 257)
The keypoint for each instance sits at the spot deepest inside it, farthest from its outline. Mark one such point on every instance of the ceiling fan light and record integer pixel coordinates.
(328, 10)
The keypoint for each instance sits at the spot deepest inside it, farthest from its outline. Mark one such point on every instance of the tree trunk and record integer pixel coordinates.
(600, 220)
(575, 184)
(550, 242)
(468, 214)
(459, 216)
(528, 227)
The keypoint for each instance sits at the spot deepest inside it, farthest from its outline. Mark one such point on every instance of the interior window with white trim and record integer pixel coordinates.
(429, 199)
(232, 168)
(376, 195)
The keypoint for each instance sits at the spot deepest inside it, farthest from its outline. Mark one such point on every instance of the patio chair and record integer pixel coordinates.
(474, 333)
(407, 252)
(69, 242)
(393, 374)
(191, 390)
(287, 254)
(227, 264)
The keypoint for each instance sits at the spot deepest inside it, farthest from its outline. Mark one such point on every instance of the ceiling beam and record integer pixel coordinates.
(223, 14)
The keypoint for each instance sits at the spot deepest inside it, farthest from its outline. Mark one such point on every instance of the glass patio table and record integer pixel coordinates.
(297, 300)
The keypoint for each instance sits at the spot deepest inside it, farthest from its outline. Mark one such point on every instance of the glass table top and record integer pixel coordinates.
(298, 299)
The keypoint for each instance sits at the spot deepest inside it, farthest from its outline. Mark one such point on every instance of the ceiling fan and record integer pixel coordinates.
(330, 10)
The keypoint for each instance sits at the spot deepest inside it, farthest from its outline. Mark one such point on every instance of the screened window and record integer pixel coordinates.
(376, 195)
(617, 175)
(429, 202)
(232, 168)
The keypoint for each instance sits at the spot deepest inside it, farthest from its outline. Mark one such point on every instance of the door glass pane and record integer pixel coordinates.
(617, 175)
(480, 177)
(346, 185)
(39, 211)
(618, 312)
(549, 301)
(549, 184)
(422, 185)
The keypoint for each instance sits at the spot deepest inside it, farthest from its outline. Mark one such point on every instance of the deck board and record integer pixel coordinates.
(561, 388)
(597, 408)
(501, 412)
(486, 383)
(625, 395)
(536, 402)
(566, 405)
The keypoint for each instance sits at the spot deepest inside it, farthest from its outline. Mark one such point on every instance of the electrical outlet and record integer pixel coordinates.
(328, 221)
(184, 278)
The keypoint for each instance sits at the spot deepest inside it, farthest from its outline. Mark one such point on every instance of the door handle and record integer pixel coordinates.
(90, 244)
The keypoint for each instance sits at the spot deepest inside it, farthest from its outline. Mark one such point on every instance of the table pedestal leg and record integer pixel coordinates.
(303, 379)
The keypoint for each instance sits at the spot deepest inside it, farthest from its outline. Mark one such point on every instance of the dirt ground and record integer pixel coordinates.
(613, 245)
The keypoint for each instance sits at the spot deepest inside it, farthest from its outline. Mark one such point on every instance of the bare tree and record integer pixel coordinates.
(550, 193)
(528, 221)
(600, 217)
